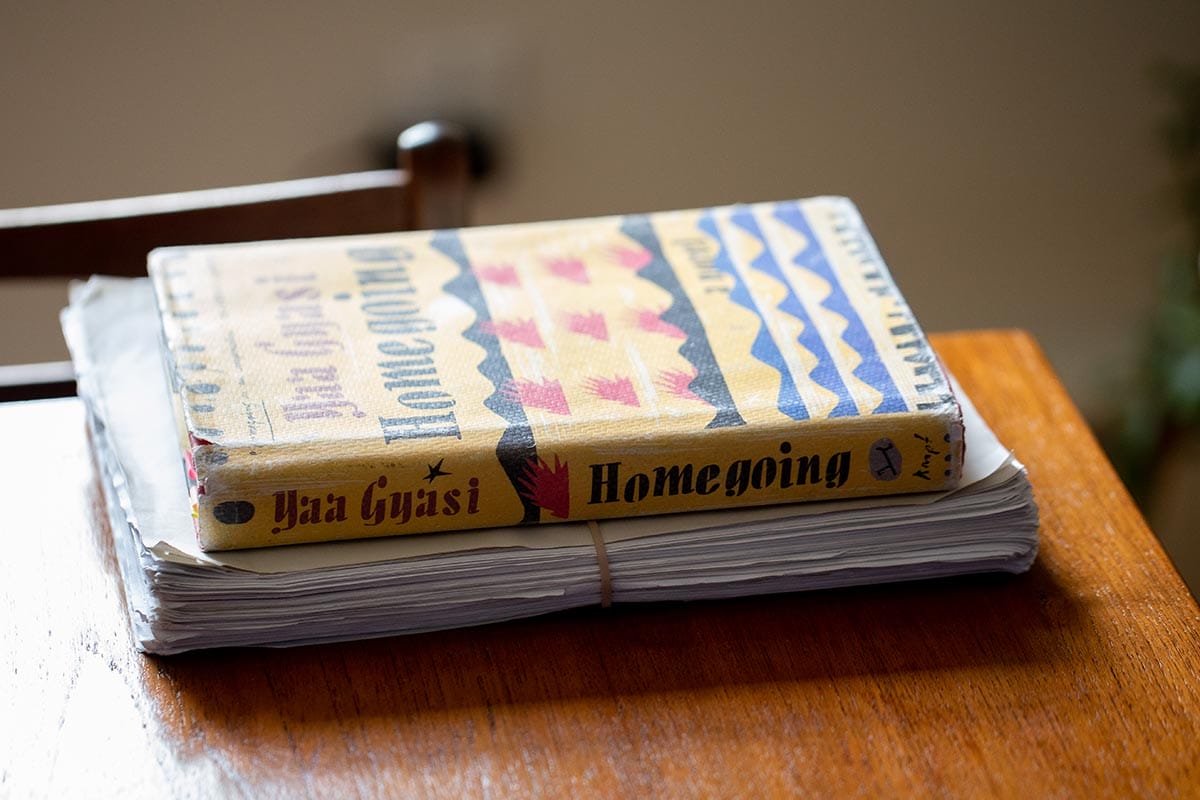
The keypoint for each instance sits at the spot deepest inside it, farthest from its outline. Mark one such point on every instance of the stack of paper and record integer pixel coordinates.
(181, 598)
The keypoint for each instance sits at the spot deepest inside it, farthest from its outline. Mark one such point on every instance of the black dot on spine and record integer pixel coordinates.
(203, 388)
(234, 512)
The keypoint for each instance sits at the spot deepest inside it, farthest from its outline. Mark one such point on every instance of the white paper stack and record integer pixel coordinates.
(181, 598)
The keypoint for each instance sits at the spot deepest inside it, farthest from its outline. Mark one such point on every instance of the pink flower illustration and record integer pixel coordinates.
(590, 324)
(521, 331)
(548, 487)
(547, 395)
(632, 257)
(572, 269)
(499, 274)
(652, 322)
(616, 389)
(678, 383)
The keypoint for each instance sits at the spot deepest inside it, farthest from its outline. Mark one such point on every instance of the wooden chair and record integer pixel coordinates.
(112, 237)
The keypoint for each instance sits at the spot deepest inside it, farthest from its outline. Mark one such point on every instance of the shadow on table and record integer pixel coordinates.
(943, 625)
(955, 629)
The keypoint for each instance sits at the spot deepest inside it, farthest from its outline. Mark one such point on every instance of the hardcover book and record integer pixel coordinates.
(182, 598)
(612, 367)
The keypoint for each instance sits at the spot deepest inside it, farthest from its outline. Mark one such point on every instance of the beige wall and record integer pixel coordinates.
(1003, 153)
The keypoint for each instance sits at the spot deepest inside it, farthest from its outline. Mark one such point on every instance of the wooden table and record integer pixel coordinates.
(1081, 677)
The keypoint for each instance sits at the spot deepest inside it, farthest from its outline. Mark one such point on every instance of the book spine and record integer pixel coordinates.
(289, 503)
(440, 381)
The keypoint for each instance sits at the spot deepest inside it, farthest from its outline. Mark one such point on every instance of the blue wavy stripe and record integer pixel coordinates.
(871, 370)
(709, 383)
(825, 374)
(764, 348)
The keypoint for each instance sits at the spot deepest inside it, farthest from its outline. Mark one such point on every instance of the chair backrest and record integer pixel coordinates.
(112, 237)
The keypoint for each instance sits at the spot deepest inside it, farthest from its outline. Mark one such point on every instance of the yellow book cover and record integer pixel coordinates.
(443, 380)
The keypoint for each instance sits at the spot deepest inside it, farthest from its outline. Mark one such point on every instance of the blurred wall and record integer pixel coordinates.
(1003, 153)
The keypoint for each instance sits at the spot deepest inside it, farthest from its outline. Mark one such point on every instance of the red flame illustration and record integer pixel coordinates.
(548, 487)
(521, 331)
(632, 257)
(500, 274)
(571, 269)
(618, 389)
(547, 395)
(590, 324)
(652, 322)
(677, 382)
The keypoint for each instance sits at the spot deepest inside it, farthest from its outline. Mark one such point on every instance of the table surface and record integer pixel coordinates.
(1078, 677)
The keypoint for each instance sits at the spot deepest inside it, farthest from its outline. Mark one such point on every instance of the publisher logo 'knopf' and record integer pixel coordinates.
(885, 460)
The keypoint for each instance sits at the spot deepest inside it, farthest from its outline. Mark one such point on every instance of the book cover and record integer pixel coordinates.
(641, 364)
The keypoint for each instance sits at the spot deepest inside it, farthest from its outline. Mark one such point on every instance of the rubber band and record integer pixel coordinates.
(606, 589)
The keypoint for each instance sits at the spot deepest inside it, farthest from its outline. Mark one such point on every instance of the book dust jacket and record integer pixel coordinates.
(446, 380)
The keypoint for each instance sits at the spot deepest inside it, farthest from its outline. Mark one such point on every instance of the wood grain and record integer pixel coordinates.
(1079, 678)
(427, 189)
